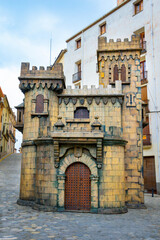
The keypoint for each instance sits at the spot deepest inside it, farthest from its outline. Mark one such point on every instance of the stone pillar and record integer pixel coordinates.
(46, 181)
(28, 171)
(94, 193)
(112, 181)
(61, 191)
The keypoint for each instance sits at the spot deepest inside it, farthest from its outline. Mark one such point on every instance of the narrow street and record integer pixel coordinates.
(24, 223)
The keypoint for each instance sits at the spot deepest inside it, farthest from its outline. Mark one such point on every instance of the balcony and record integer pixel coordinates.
(76, 77)
(12, 137)
(144, 77)
(143, 46)
(147, 140)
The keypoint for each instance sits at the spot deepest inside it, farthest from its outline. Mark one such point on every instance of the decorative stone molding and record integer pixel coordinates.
(74, 101)
(105, 100)
(56, 154)
(131, 99)
(113, 100)
(66, 101)
(59, 124)
(97, 100)
(61, 177)
(81, 100)
(78, 152)
(99, 153)
(94, 178)
(96, 125)
(68, 160)
(89, 100)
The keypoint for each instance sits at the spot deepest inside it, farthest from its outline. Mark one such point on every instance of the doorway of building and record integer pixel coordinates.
(149, 174)
(78, 187)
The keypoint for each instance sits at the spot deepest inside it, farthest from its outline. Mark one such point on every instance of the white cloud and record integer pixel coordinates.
(41, 22)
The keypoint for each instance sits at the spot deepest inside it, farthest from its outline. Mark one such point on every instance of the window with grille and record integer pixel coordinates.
(81, 112)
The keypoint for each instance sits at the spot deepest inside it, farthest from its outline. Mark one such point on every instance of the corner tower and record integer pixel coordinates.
(40, 88)
(121, 61)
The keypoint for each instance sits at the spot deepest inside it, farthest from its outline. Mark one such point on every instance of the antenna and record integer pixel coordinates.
(50, 49)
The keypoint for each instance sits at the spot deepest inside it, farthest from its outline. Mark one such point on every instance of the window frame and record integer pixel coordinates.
(136, 5)
(101, 28)
(78, 43)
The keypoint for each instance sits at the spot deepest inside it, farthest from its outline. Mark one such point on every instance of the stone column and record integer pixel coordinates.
(112, 181)
(61, 191)
(94, 193)
(46, 181)
(28, 171)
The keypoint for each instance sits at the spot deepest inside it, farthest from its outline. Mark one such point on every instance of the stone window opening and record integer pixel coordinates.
(39, 103)
(123, 73)
(115, 73)
(138, 7)
(81, 112)
(102, 28)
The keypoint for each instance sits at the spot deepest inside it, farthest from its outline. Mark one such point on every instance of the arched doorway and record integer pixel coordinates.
(78, 187)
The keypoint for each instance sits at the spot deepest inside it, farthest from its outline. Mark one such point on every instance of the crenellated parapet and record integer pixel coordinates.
(116, 60)
(93, 91)
(52, 77)
(119, 45)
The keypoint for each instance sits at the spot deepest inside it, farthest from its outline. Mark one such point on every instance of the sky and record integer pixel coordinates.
(26, 28)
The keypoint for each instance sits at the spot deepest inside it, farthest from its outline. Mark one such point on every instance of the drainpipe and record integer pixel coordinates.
(82, 82)
(155, 87)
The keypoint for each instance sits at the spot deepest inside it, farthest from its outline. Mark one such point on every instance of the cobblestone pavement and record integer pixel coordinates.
(23, 223)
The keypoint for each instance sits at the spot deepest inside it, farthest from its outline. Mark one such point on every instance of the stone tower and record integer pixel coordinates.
(121, 61)
(41, 111)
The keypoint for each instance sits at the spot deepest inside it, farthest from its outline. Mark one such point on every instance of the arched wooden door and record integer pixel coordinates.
(78, 187)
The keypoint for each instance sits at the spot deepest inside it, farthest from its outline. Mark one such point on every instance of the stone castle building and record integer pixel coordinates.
(82, 148)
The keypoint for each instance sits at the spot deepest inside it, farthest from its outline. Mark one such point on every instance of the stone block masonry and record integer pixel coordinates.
(82, 148)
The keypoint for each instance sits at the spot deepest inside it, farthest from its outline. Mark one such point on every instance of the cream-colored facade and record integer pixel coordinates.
(7, 122)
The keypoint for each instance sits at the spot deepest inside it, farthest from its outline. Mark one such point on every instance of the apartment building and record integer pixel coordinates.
(139, 17)
(7, 130)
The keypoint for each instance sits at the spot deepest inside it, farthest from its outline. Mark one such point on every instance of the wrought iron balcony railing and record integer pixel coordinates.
(147, 140)
(76, 77)
(143, 46)
(144, 77)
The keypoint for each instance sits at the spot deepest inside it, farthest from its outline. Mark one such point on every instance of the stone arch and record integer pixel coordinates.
(90, 163)
(87, 160)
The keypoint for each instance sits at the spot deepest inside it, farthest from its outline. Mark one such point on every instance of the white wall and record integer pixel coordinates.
(122, 24)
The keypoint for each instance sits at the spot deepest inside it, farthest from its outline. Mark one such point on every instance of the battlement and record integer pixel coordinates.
(41, 73)
(112, 46)
(93, 91)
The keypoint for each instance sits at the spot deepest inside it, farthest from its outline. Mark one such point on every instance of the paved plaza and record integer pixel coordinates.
(24, 223)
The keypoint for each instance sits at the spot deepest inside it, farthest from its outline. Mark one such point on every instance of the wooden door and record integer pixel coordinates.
(149, 174)
(78, 187)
